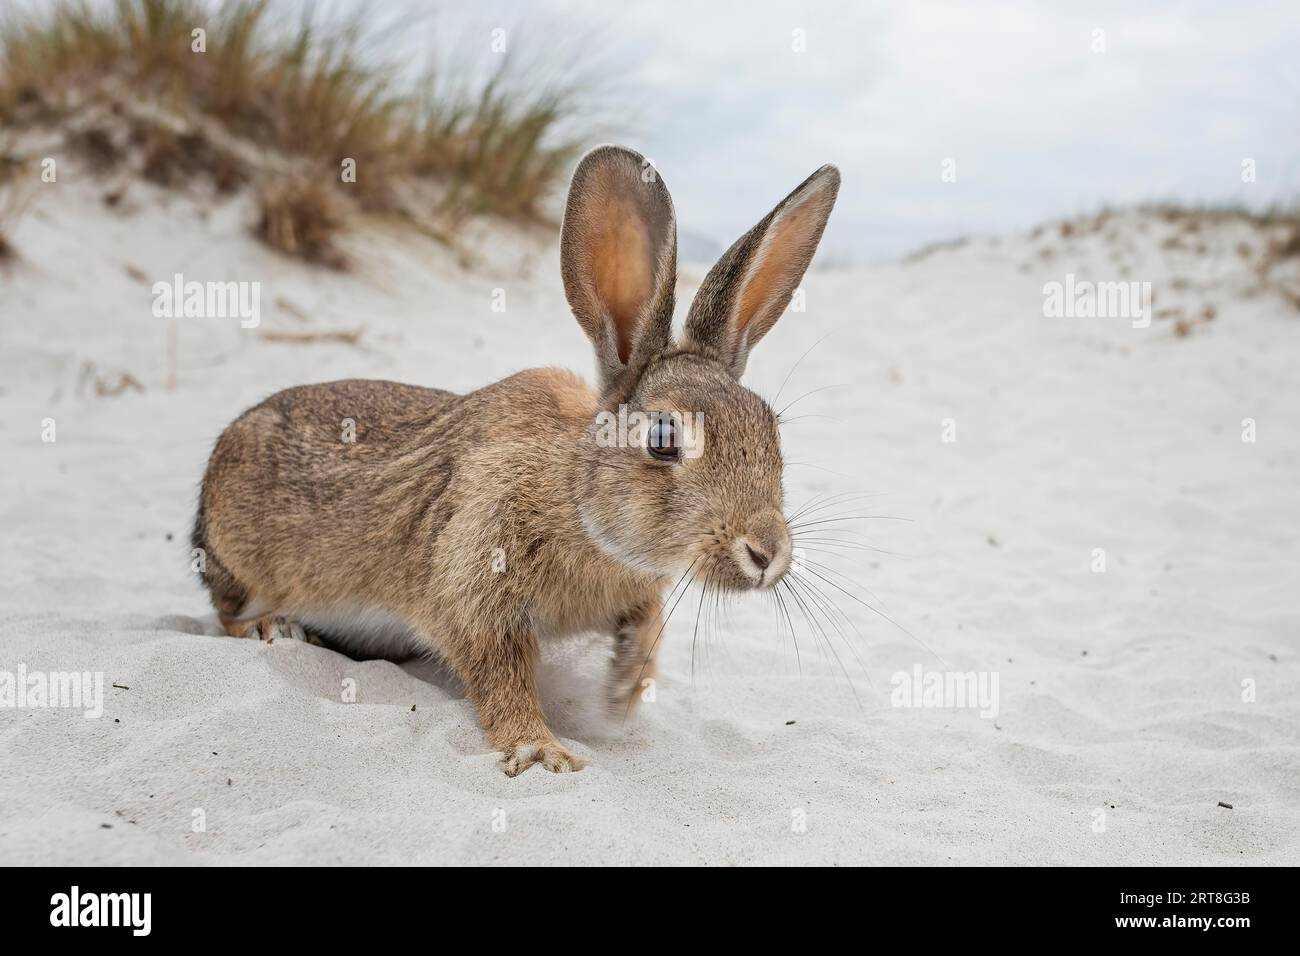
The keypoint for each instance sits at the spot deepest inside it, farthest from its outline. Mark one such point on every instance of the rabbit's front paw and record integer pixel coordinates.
(548, 753)
(631, 678)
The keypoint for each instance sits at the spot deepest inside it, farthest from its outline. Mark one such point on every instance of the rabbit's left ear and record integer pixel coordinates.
(618, 257)
(747, 290)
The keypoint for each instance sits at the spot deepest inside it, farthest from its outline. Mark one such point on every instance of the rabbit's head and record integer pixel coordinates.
(682, 467)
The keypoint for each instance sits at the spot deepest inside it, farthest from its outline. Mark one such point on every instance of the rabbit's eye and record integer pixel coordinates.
(661, 439)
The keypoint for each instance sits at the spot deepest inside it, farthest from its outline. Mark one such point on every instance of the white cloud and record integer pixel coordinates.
(1039, 124)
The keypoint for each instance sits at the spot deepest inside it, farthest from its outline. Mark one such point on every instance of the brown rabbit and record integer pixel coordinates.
(476, 526)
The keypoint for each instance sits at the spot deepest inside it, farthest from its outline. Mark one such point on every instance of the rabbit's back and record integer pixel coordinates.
(305, 488)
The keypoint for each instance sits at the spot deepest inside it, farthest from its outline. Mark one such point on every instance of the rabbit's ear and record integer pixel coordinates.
(618, 256)
(747, 290)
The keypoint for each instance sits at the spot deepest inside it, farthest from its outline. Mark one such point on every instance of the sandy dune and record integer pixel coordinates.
(1121, 720)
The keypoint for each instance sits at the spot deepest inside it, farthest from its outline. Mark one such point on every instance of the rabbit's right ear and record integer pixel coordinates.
(618, 256)
(750, 286)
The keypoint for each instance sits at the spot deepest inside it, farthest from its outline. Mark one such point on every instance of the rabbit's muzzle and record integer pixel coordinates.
(760, 555)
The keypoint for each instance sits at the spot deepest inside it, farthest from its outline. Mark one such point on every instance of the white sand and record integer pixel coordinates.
(1121, 694)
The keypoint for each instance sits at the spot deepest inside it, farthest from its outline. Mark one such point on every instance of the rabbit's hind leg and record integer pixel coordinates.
(237, 609)
(268, 628)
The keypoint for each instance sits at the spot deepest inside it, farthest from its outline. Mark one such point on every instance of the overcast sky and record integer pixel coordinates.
(1038, 124)
(737, 102)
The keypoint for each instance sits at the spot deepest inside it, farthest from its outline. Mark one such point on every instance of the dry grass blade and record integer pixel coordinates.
(319, 90)
(336, 337)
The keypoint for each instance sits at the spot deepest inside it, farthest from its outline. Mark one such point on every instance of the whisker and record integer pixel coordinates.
(822, 388)
(786, 380)
(816, 502)
(712, 628)
(785, 612)
(827, 569)
(663, 627)
(790, 421)
(882, 614)
(831, 609)
(834, 616)
(848, 537)
(821, 521)
(812, 616)
(790, 623)
(803, 609)
(837, 543)
(695, 636)
(820, 503)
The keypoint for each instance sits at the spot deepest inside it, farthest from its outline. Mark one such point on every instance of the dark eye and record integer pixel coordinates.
(661, 440)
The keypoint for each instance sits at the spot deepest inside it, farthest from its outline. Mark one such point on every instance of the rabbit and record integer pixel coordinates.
(477, 526)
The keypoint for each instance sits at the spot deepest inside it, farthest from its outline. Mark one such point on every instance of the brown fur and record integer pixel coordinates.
(409, 523)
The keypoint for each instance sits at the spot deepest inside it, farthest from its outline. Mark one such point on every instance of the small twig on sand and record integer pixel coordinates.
(340, 336)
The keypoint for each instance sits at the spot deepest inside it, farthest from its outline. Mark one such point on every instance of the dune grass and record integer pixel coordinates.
(292, 84)
(302, 218)
(1275, 214)
(15, 195)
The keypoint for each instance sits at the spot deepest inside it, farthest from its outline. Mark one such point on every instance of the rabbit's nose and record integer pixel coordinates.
(764, 555)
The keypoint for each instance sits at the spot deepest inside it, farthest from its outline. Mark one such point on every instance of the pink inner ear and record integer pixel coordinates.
(782, 252)
(622, 269)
